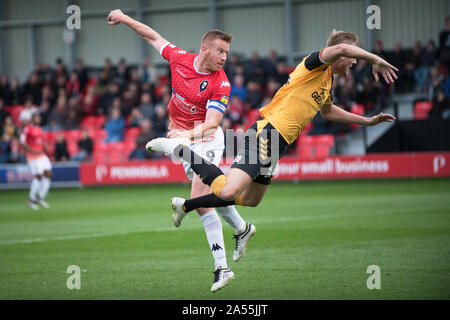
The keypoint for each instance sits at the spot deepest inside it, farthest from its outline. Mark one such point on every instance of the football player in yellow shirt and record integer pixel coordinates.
(307, 92)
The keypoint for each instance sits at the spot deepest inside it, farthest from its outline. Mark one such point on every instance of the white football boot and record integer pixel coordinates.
(178, 212)
(242, 240)
(221, 278)
(33, 204)
(166, 145)
(43, 204)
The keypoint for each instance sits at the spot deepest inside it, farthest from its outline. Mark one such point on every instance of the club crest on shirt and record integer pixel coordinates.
(203, 85)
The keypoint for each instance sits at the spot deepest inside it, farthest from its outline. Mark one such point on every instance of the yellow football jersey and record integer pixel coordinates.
(297, 102)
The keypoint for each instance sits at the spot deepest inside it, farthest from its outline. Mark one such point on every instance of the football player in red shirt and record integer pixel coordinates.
(200, 94)
(32, 140)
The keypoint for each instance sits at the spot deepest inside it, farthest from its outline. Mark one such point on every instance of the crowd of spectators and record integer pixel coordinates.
(137, 96)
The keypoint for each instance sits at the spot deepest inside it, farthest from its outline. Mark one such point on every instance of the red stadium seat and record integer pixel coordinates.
(306, 152)
(322, 151)
(101, 147)
(359, 110)
(72, 135)
(115, 157)
(100, 157)
(304, 140)
(252, 116)
(99, 121)
(98, 135)
(326, 140)
(421, 109)
(130, 145)
(15, 111)
(72, 147)
(131, 133)
(116, 147)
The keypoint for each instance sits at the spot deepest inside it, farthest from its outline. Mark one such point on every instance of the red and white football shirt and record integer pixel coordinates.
(34, 138)
(193, 92)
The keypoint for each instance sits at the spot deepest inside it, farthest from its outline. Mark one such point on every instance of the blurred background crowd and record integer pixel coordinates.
(128, 103)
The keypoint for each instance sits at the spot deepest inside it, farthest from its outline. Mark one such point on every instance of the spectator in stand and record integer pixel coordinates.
(232, 64)
(106, 100)
(282, 74)
(428, 60)
(115, 126)
(61, 153)
(441, 106)
(412, 59)
(437, 83)
(47, 95)
(73, 87)
(160, 120)
(379, 49)
(89, 102)
(398, 58)
(29, 110)
(102, 86)
(56, 116)
(238, 87)
(146, 105)
(148, 72)
(130, 98)
(3, 115)
(44, 111)
(85, 147)
(271, 65)
(5, 148)
(136, 118)
(254, 96)
(272, 88)
(109, 70)
(15, 93)
(235, 110)
(444, 45)
(145, 135)
(9, 127)
(122, 72)
(82, 74)
(71, 120)
(16, 154)
(4, 88)
(33, 88)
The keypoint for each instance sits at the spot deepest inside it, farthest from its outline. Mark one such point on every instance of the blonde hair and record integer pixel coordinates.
(216, 34)
(337, 37)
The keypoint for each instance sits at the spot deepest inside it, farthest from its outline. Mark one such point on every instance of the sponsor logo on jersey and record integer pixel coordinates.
(203, 85)
(181, 51)
(224, 100)
(318, 97)
(225, 84)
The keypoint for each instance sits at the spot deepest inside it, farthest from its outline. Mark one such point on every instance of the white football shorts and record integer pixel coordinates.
(39, 165)
(210, 150)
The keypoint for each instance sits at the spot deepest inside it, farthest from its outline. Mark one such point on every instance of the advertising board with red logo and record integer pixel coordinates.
(398, 165)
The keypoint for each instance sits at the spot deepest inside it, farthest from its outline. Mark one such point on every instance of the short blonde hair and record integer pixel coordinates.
(337, 37)
(216, 34)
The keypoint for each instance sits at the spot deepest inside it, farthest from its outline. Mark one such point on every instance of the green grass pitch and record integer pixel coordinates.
(314, 240)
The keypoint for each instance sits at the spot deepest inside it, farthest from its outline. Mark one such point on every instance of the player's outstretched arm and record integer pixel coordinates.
(334, 113)
(149, 35)
(213, 119)
(379, 65)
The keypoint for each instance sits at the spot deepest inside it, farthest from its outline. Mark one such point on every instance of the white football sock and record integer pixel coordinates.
(44, 187)
(213, 228)
(34, 188)
(232, 216)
